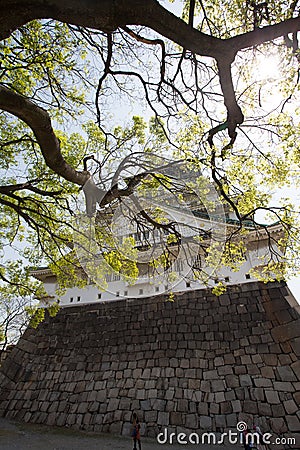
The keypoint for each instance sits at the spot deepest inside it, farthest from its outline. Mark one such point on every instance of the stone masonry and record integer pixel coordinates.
(201, 363)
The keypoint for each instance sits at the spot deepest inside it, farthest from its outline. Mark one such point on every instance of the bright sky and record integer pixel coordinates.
(294, 286)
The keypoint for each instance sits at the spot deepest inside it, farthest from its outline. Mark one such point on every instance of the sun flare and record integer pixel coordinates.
(267, 67)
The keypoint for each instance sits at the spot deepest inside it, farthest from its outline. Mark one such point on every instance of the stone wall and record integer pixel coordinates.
(199, 363)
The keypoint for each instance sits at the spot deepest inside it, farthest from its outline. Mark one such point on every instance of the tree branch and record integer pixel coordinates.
(104, 75)
(108, 15)
(39, 121)
(191, 12)
(234, 112)
(266, 34)
(148, 41)
(28, 185)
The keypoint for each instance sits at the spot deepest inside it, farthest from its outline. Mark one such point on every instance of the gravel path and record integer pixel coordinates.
(20, 436)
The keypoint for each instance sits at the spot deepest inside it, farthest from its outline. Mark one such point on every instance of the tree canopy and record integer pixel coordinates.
(216, 82)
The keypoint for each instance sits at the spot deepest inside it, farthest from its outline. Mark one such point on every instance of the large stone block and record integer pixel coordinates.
(205, 422)
(257, 394)
(283, 386)
(264, 409)
(262, 382)
(272, 397)
(290, 406)
(278, 410)
(163, 418)
(151, 416)
(231, 420)
(220, 421)
(219, 397)
(226, 408)
(236, 406)
(191, 421)
(245, 380)
(295, 344)
(202, 408)
(293, 423)
(225, 370)
(250, 407)
(278, 426)
(217, 385)
(296, 368)
(210, 375)
(267, 372)
(232, 381)
(285, 332)
(176, 418)
(285, 373)
(183, 405)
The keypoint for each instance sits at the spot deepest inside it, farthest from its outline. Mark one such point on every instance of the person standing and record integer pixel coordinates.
(136, 436)
(247, 441)
(258, 431)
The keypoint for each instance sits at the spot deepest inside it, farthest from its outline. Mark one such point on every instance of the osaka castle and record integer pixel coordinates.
(201, 249)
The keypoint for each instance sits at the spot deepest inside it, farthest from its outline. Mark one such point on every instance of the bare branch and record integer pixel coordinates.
(148, 41)
(28, 185)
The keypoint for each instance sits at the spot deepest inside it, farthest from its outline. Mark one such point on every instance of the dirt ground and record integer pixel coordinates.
(20, 436)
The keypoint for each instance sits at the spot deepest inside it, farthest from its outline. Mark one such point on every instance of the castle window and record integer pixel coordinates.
(117, 294)
(156, 288)
(178, 265)
(71, 299)
(99, 296)
(125, 293)
(141, 291)
(226, 279)
(78, 299)
(197, 263)
(247, 276)
(188, 284)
